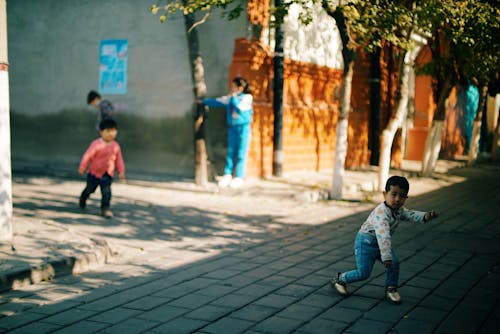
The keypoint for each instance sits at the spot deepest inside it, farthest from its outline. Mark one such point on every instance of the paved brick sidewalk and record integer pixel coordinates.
(248, 270)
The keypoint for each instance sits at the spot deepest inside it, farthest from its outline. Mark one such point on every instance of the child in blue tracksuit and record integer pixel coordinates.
(239, 118)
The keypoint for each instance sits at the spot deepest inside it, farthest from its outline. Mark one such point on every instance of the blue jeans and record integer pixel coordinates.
(367, 252)
(237, 149)
(104, 182)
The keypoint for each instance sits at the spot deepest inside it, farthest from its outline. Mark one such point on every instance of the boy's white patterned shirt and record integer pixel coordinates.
(383, 221)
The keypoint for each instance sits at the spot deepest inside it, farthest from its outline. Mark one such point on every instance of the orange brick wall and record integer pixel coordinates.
(310, 110)
(453, 140)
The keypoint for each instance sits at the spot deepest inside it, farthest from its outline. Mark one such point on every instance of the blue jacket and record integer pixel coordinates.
(238, 107)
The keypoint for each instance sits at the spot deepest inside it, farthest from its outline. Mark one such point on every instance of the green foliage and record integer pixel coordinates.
(463, 37)
(231, 9)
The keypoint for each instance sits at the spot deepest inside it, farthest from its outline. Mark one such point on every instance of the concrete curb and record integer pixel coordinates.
(56, 267)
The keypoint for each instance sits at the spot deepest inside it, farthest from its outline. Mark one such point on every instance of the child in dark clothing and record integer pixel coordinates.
(373, 241)
(104, 107)
(101, 158)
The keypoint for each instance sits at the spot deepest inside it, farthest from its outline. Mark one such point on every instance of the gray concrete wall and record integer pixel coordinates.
(54, 56)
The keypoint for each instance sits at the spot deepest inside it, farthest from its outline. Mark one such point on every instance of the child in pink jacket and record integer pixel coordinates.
(100, 161)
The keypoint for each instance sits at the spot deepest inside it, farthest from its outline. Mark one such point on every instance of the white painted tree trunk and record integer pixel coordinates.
(5, 163)
(474, 143)
(340, 155)
(432, 147)
(496, 143)
(394, 124)
(341, 134)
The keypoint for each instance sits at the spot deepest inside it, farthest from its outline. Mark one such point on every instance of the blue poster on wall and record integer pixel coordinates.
(113, 56)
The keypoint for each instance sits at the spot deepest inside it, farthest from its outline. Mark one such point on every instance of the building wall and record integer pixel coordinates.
(54, 59)
(310, 112)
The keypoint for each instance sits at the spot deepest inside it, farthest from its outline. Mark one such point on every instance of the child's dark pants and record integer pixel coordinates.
(93, 182)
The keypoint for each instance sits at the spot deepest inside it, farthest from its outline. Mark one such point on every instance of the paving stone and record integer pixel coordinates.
(146, 303)
(36, 327)
(275, 301)
(439, 302)
(277, 280)
(17, 306)
(370, 291)
(222, 273)
(278, 325)
(228, 326)
(83, 327)
(130, 326)
(256, 290)
(173, 292)
(19, 319)
(261, 272)
(388, 312)
(358, 303)
(55, 307)
(432, 316)
(68, 317)
(300, 312)
(180, 326)
(408, 326)
(463, 319)
(216, 290)
(295, 290)
(363, 326)
(314, 280)
(208, 313)
(413, 292)
(191, 301)
(242, 280)
(115, 315)
(254, 312)
(163, 313)
(423, 282)
(233, 301)
(104, 304)
(345, 315)
(320, 300)
(322, 326)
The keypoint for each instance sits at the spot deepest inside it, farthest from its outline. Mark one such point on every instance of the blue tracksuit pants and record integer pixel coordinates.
(237, 149)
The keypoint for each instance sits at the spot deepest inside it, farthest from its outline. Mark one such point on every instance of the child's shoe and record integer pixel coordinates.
(82, 203)
(225, 180)
(340, 286)
(393, 294)
(237, 182)
(107, 213)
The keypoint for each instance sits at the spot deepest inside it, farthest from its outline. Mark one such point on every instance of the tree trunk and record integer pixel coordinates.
(5, 160)
(375, 98)
(199, 91)
(476, 132)
(432, 147)
(495, 144)
(278, 97)
(348, 56)
(394, 123)
(433, 140)
(341, 133)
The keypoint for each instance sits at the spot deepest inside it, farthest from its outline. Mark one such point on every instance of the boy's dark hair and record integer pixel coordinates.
(92, 95)
(242, 82)
(108, 123)
(399, 181)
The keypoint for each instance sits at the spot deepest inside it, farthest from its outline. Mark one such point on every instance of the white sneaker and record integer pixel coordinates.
(225, 180)
(393, 295)
(236, 182)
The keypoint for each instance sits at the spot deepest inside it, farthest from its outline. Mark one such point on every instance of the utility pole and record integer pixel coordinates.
(5, 164)
(278, 96)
